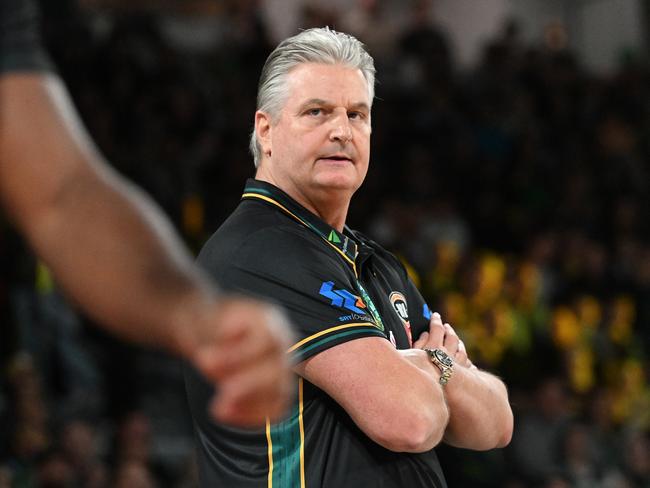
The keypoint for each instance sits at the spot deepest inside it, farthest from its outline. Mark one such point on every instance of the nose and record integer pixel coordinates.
(341, 130)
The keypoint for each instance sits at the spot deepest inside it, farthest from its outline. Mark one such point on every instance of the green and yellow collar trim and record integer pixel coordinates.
(261, 190)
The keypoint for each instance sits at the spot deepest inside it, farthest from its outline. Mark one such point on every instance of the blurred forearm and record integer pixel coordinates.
(109, 247)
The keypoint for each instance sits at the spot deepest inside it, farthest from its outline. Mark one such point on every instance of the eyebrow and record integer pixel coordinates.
(320, 101)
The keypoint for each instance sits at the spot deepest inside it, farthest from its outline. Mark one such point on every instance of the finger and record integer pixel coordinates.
(250, 410)
(451, 340)
(436, 331)
(246, 336)
(217, 362)
(268, 374)
(422, 341)
(251, 395)
(461, 355)
(228, 357)
(234, 315)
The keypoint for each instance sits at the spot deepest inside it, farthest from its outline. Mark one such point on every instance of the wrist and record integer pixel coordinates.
(443, 362)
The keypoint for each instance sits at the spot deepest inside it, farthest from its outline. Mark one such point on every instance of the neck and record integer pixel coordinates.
(333, 213)
(331, 206)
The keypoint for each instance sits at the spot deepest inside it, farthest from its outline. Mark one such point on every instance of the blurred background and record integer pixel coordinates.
(510, 171)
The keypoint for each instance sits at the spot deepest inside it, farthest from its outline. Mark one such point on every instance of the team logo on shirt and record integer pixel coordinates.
(398, 302)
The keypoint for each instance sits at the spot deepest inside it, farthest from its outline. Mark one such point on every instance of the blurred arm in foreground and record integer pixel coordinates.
(112, 249)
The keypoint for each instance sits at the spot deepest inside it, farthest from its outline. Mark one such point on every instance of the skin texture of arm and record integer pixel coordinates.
(480, 416)
(118, 257)
(89, 225)
(394, 402)
(480, 400)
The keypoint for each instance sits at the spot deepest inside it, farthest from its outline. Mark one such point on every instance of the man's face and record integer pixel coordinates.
(320, 143)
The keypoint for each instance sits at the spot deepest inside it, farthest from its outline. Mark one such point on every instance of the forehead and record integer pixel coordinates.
(334, 83)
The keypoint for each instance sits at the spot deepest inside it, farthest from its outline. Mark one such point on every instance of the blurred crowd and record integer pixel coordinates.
(516, 192)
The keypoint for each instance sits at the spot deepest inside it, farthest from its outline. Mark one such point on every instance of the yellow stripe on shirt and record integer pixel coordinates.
(270, 452)
(326, 331)
(302, 435)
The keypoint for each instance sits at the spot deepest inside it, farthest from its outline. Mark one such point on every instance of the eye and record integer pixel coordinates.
(356, 115)
(314, 112)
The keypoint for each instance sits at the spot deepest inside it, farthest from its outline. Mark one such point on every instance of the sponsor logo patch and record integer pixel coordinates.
(343, 298)
(371, 306)
(426, 312)
(355, 317)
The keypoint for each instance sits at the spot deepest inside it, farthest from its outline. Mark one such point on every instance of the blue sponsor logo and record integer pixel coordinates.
(343, 298)
(426, 312)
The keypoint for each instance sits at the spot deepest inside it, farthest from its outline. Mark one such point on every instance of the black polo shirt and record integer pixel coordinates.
(336, 287)
(20, 47)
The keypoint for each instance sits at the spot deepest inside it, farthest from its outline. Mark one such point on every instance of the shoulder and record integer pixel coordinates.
(254, 238)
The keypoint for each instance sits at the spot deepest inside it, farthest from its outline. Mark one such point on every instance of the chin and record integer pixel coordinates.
(337, 183)
(341, 179)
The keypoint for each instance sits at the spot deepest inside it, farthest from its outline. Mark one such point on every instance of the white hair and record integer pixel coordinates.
(320, 45)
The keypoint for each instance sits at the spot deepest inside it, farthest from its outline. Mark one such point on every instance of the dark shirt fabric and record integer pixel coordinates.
(20, 46)
(336, 287)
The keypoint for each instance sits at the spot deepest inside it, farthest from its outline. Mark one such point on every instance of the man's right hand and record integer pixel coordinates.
(245, 354)
(443, 336)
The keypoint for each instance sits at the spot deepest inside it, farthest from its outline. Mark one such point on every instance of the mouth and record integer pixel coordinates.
(336, 159)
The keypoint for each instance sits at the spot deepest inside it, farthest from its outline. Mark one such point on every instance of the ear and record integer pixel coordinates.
(263, 131)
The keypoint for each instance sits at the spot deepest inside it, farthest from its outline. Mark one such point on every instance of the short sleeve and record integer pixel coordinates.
(420, 312)
(301, 273)
(20, 45)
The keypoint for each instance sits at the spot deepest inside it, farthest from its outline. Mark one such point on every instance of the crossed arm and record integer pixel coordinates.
(395, 398)
(480, 414)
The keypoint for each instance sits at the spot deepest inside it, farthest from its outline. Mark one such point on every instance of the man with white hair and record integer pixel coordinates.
(380, 379)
